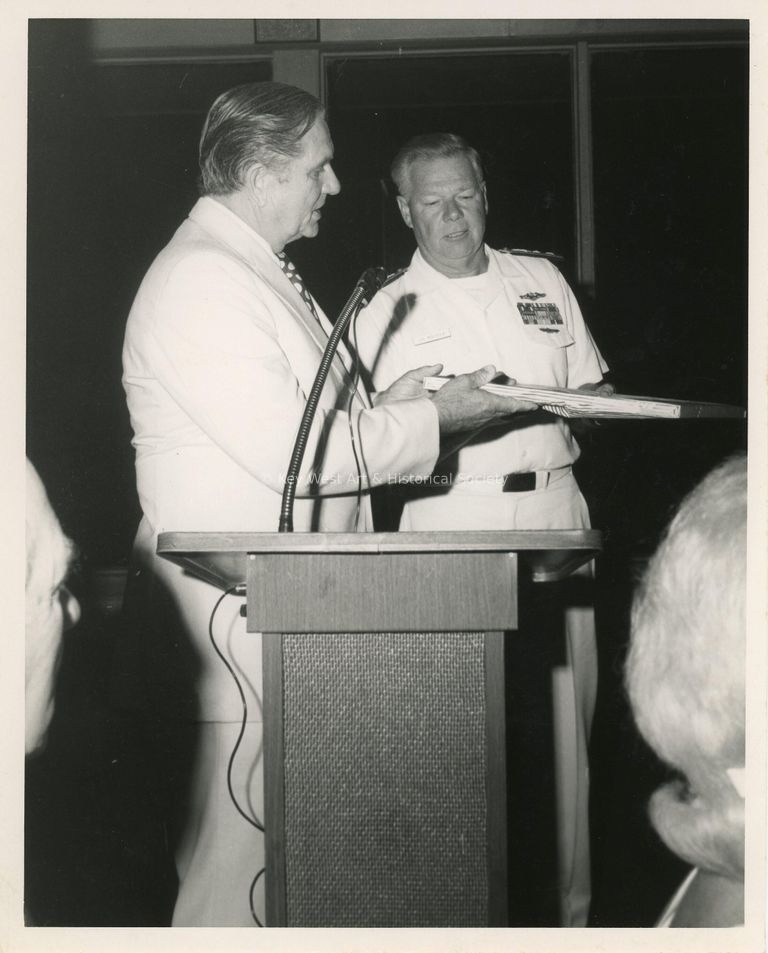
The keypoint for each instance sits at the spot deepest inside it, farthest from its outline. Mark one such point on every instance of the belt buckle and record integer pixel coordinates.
(519, 482)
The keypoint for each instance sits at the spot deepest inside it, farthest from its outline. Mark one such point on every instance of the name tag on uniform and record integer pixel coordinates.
(539, 313)
(435, 336)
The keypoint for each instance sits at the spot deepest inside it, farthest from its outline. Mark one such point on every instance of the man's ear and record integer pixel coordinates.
(402, 204)
(257, 183)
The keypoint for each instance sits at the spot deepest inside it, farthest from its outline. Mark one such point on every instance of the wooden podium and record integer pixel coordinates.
(384, 713)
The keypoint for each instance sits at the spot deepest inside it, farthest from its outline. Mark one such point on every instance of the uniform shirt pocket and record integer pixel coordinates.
(544, 324)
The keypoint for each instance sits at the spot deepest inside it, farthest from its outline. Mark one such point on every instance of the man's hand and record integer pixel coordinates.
(582, 425)
(461, 405)
(601, 388)
(410, 385)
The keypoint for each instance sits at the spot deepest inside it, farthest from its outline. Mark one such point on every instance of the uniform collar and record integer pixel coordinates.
(430, 279)
(506, 266)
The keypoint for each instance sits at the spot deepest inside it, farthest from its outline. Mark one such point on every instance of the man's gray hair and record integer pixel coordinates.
(686, 670)
(431, 145)
(254, 124)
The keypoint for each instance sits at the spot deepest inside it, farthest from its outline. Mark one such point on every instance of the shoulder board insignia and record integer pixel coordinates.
(550, 255)
(393, 277)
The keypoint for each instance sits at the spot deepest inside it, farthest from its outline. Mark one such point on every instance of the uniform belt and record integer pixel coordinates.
(535, 480)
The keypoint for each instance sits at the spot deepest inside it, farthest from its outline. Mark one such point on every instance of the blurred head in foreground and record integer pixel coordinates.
(50, 606)
(686, 671)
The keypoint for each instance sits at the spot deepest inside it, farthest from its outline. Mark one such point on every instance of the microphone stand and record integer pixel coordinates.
(368, 284)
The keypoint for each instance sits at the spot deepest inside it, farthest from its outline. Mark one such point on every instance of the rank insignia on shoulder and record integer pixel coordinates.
(549, 255)
(394, 276)
(533, 295)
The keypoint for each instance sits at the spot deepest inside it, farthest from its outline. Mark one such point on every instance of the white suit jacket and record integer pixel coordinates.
(219, 357)
(220, 354)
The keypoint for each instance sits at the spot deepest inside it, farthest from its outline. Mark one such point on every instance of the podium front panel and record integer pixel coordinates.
(386, 755)
(385, 592)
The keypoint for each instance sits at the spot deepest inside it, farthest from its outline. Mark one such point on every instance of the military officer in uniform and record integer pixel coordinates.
(462, 304)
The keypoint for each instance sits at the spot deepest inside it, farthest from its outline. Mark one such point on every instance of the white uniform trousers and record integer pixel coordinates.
(475, 506)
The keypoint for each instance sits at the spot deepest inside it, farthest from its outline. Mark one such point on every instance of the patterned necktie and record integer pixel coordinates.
(295, 279)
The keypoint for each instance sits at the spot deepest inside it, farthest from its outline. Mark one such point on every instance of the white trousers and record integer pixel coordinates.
(574, 684)
(220, 854)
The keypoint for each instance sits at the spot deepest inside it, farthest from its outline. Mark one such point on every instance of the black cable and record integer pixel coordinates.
(250, 896)
(244, 722)
(355, 382)
(251, 820)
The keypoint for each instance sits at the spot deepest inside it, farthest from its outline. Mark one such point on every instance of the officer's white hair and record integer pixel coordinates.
(431, 145)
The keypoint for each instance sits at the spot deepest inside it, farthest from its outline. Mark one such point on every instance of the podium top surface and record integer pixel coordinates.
(221, 558)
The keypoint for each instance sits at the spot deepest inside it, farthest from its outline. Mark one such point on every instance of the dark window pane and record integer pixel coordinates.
(514, 108)
(670, 130)
(670, 160)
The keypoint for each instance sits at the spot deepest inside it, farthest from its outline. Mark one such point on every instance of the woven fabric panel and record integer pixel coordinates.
(385, 804)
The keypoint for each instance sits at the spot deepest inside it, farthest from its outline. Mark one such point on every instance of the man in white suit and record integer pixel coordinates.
(220, 352)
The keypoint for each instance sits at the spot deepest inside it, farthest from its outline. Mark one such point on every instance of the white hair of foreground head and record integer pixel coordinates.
(686, 670)
(50, 607)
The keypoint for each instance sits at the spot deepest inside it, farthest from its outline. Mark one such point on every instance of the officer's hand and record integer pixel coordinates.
(602, 388)
(410, 385)
(461, 405)
(582, 425)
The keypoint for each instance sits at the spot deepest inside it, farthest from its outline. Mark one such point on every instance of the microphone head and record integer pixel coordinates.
(371, 280)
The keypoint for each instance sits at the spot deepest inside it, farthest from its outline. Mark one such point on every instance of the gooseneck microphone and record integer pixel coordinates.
(367, 285)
